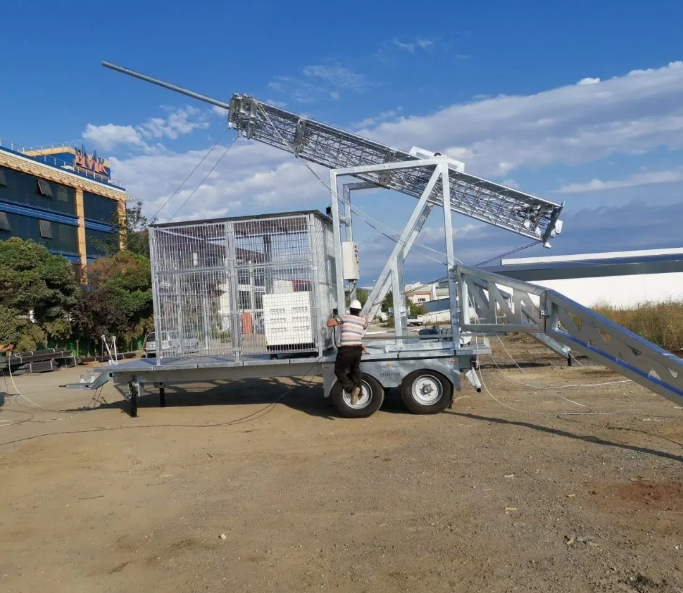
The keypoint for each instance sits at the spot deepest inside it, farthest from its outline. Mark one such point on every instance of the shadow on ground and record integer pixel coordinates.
(301, 395)
(570, 435)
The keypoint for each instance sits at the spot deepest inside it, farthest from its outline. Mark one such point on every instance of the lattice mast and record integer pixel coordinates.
(325, 145)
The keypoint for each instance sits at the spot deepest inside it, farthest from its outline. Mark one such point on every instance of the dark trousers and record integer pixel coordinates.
(347, 367)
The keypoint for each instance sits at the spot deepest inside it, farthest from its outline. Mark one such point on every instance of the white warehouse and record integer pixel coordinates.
(623, 279)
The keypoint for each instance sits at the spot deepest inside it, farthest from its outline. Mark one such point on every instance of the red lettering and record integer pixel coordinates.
(88, 162)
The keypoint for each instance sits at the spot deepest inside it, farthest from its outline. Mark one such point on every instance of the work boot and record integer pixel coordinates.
(355, 392)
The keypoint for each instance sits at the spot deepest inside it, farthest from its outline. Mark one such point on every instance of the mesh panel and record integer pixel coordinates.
(257, 286)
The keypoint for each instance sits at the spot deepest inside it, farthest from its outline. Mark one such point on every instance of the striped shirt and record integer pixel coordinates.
(353, 330)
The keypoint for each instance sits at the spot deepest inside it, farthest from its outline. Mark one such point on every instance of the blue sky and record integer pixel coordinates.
(576, 101)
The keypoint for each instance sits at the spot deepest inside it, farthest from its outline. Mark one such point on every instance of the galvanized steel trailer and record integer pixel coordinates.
(428, 377)
(427, 372)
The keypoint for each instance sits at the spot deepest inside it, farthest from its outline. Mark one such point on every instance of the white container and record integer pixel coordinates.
(287, 320)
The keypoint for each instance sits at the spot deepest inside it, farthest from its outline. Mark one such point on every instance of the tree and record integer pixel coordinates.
(117, 300)
(417, 309)
(31, 278)
(388, 301)
(133, 228)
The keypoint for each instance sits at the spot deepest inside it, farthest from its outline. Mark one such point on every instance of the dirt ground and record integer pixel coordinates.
(547, 489)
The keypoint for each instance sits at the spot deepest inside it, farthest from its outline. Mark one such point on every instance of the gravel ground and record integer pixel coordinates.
(537, 485)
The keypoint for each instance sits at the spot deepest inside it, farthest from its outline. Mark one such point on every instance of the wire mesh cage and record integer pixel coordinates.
(258, 285)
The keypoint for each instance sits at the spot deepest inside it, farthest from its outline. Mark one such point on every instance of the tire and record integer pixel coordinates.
(133, 403)
(426, 392)
(371, 398)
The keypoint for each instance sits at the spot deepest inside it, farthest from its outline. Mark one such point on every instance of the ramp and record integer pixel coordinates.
(531, 309)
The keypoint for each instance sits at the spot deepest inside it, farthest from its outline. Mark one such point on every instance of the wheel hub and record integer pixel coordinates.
(427, 390)
(363, 397)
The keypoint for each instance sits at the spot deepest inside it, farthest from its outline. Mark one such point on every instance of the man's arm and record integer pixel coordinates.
(332, 322)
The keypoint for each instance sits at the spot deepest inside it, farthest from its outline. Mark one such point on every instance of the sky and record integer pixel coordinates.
(576, 102)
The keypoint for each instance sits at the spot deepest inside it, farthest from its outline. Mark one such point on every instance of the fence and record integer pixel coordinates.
(243, 285)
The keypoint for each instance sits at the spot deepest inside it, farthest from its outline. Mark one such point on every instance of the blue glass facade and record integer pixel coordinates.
(35, 208)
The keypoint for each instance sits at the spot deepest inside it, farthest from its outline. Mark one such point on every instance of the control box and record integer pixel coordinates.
(350, 260)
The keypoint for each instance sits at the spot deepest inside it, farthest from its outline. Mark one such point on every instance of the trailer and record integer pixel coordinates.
(275, 302)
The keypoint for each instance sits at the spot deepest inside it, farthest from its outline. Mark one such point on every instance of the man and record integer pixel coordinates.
(347, 365)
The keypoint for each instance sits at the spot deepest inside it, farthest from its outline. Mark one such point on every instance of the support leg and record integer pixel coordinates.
(162, 396)
(134, 392)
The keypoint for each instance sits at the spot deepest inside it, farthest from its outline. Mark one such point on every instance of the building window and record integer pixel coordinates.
(45, 229)
(3, 178)
(4, 223)
(62, 194)
(44, 188)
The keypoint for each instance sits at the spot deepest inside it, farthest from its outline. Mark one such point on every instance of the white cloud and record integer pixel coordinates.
(630, 114)
(110, 136)
(337, 75)
(319, 81)
(415, 44)
(252, 177)
(636, 180)
(434, 236)
(219, 111)
(280, 104)
(371, 121)
(178, 122)
(588, 80)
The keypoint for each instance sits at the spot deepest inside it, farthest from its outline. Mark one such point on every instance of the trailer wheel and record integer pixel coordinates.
(370, 400)
(426, 392)
(133, 404)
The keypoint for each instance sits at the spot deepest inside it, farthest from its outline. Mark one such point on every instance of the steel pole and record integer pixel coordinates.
(166, 85)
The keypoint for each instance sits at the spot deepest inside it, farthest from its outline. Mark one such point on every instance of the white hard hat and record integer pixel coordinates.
(355, 304)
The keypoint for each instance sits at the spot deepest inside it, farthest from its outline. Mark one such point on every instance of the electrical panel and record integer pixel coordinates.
(350, 260)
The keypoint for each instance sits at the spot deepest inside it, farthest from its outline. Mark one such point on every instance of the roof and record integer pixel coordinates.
(609, 255)
(184, 223)
(592, 265)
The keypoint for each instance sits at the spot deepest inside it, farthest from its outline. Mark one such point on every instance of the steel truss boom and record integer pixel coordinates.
(318, 143)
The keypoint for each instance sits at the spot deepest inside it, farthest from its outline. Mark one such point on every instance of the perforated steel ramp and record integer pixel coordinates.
(532, 309)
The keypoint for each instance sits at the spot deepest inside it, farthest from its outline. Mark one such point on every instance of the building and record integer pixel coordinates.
(624, 279)
(59, 196)
(418, 293)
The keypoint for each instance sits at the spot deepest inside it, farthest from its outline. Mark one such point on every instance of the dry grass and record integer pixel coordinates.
(660, 323)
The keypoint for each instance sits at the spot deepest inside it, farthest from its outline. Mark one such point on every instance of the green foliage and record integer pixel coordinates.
(10, 327)
(417, 309)
(117, 300)
(32, 338)
(660, 323)
(388, 301)
(134, 230)
(31, 277)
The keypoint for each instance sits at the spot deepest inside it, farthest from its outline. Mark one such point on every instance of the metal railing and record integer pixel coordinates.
(52, 161)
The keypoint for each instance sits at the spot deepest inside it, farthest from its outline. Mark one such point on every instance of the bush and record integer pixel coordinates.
(660, 323)
(117, 301)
